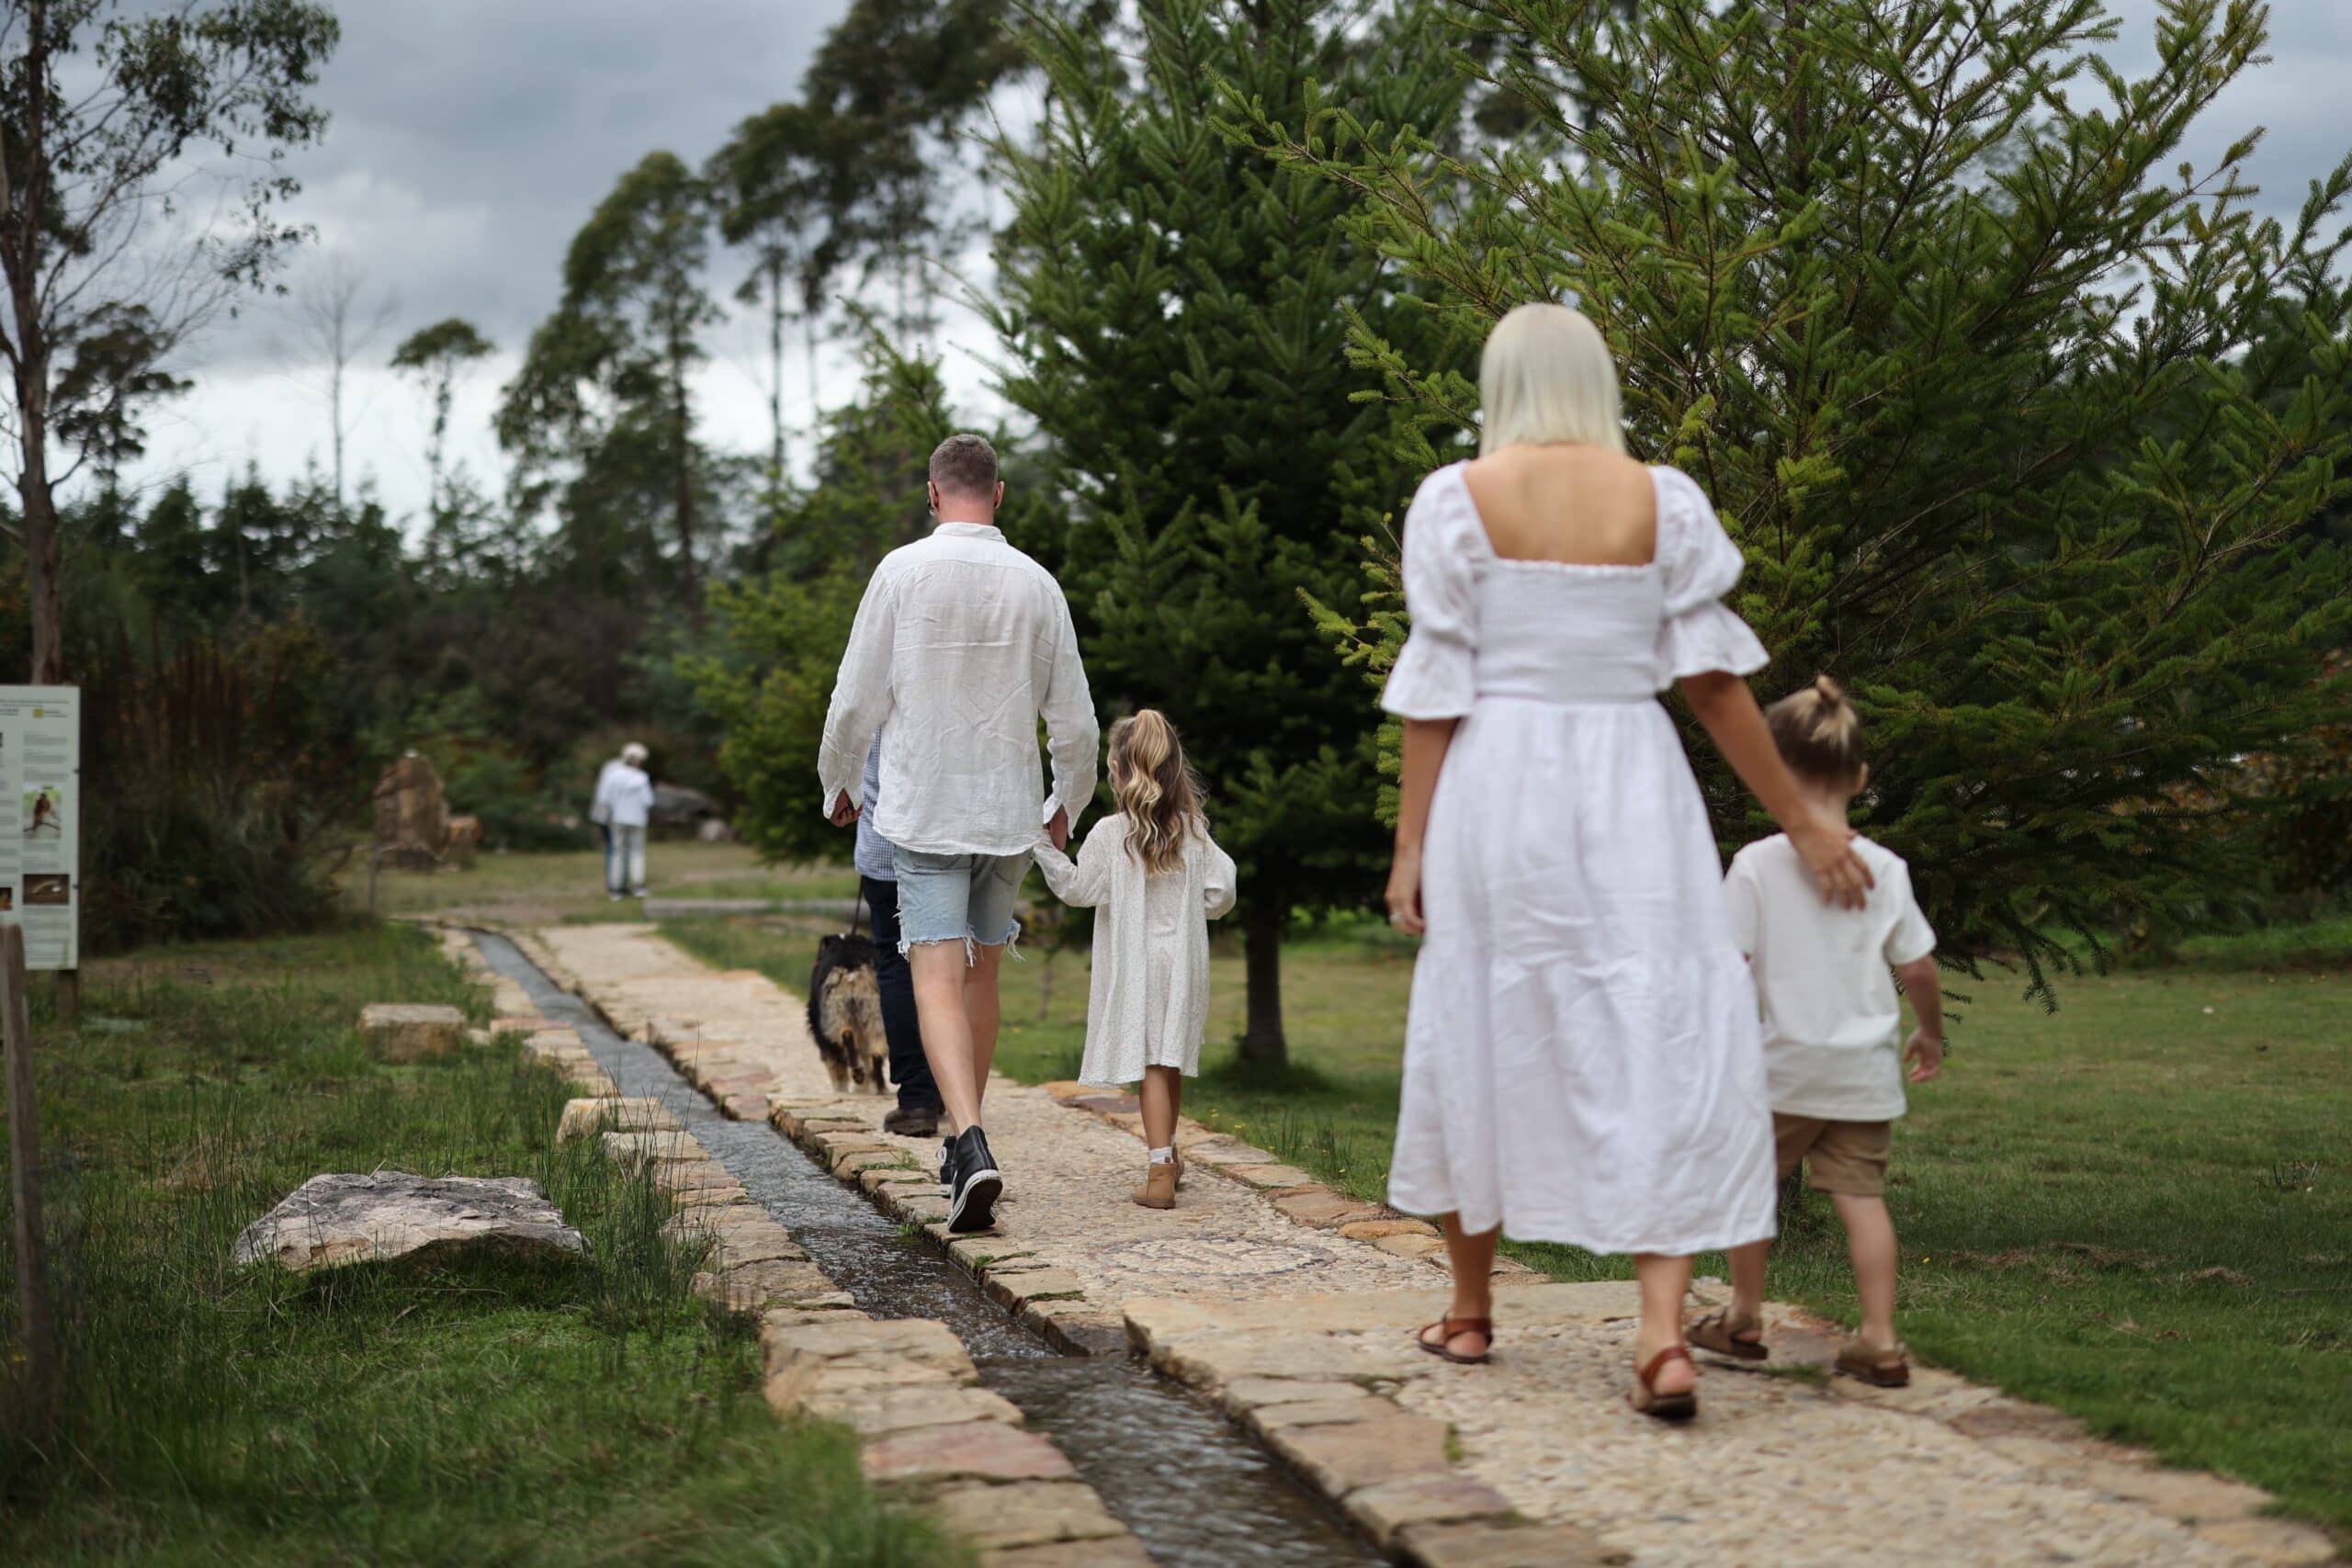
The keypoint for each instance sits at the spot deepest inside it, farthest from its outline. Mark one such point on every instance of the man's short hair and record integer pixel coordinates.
(964, 465)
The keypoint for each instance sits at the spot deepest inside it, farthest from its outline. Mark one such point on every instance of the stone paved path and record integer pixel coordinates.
(1290, 1304)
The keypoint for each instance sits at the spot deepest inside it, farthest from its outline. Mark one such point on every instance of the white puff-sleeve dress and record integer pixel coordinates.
(1148, 1003)
(1582, 1060)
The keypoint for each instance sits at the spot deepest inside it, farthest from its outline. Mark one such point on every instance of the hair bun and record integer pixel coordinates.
(1828, 690)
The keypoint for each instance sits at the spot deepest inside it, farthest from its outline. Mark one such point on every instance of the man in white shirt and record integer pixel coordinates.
(961, 644)
(624, 805)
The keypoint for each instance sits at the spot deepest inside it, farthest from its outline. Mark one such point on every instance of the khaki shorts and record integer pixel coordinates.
(1838, 1156)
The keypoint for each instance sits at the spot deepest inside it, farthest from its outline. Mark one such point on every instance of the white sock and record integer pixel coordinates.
(1164, 1157)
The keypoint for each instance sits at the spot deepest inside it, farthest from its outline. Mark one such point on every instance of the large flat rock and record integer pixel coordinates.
(375, 1216)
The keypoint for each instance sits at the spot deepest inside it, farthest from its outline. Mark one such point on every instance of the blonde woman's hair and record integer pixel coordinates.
(1156, 787)
(1546, 375)
(1818, 732)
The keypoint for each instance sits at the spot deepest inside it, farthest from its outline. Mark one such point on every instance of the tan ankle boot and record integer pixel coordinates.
(1159, 1188)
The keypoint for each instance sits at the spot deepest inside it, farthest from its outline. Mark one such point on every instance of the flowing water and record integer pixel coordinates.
(1197, 1492)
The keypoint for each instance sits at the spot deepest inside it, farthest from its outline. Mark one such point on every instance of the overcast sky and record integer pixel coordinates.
(470, 138)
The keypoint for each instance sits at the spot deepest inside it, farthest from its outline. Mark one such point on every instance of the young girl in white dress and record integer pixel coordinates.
(1159, 879)
(1582, 1062)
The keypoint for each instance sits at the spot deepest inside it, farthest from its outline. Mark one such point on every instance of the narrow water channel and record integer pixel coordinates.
(1196, 1491)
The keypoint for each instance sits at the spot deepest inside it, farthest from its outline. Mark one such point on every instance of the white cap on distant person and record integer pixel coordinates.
(633, 754)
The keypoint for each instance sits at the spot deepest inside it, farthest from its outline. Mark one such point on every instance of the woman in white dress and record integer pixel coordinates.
(1581, 1057)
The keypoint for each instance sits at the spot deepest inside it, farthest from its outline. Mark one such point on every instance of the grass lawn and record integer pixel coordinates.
(494, 1413)
(2138, 1209)
(547, 888)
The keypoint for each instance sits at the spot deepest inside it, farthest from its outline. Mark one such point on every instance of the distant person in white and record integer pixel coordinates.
(623, 805)
(1833, 1031)
(961, 644)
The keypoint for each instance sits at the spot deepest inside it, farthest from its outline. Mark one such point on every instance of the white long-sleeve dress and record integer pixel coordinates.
(1582, 1061)
(1149, 1001)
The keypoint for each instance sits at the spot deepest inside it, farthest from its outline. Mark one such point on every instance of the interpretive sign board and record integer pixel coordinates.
(41, 821)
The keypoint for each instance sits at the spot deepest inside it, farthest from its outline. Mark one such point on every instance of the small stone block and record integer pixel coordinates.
(982, 1450)
(1374, 1230)
(872, 1412)
(1479, 1544)
(1111, 1552)
(1383, 1510)
(1017, 1287)
(1323, 1208)
(1386, 1446)
(1066, 1089)
(583, 1119)
(400, 1032)
(1411, 1245)
(1269, 1178)
(1031, 1513)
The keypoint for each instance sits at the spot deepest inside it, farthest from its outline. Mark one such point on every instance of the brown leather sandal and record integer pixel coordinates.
(1644, 1397)
(1714, 1332)
(1447, 1329)
(1880, 1368)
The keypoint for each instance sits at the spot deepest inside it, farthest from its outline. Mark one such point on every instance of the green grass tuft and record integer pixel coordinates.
(492, 1412)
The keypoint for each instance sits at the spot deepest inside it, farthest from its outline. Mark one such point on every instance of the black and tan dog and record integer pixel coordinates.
(845, 1013)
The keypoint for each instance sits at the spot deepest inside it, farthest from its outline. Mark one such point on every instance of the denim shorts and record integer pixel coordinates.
(966, 899)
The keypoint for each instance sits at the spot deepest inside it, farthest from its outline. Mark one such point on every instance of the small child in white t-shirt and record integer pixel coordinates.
(1833, 1027)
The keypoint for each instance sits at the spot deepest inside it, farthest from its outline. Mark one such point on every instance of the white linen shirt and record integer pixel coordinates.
(961, 644)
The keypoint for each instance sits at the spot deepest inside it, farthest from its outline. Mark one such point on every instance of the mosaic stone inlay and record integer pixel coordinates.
(1222, 1255)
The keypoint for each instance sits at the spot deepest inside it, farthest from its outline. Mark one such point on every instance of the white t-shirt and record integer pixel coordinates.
(1833, 1024)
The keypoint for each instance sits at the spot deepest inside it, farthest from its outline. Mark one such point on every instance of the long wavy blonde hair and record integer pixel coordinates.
(1156, 787)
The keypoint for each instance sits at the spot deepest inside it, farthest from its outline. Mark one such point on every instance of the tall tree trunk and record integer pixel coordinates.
(689, 584)
(42, 575)
(23, 195)
(1262, 1039)
(816, 410)
(775, 378)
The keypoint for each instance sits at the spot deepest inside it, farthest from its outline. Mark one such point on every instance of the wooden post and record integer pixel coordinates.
(34, 1324)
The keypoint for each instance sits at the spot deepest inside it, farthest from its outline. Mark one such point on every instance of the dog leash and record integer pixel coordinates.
(856, 912)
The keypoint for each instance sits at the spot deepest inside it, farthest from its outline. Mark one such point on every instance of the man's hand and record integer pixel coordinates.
(1058, 829)
(844, 812)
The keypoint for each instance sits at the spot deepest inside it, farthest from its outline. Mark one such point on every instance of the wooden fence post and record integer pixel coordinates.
(35, 1325)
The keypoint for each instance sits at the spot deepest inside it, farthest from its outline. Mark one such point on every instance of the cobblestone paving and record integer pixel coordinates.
(1292, 1306)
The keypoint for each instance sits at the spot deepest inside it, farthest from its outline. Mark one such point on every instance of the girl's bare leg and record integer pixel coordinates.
(1162, 1096)
(1665, 1281)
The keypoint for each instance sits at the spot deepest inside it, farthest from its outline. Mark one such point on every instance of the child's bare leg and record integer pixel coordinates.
(1747, 1285)
(1163, 1093)
(1665, 1282)
(1870, 1241)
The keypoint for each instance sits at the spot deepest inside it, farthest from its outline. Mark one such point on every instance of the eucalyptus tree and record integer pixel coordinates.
(603, 394)
(435, 357)
(117, 122)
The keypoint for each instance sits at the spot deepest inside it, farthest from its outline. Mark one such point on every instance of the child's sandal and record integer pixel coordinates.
(1880, 1368)
(1644, 1397)
(1448, 1329)
(1714, 1332)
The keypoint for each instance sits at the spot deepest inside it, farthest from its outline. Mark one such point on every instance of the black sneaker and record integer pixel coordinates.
(971, 1204)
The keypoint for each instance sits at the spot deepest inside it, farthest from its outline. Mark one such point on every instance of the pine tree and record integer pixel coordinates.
(1176, 309)
(1909, 287)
